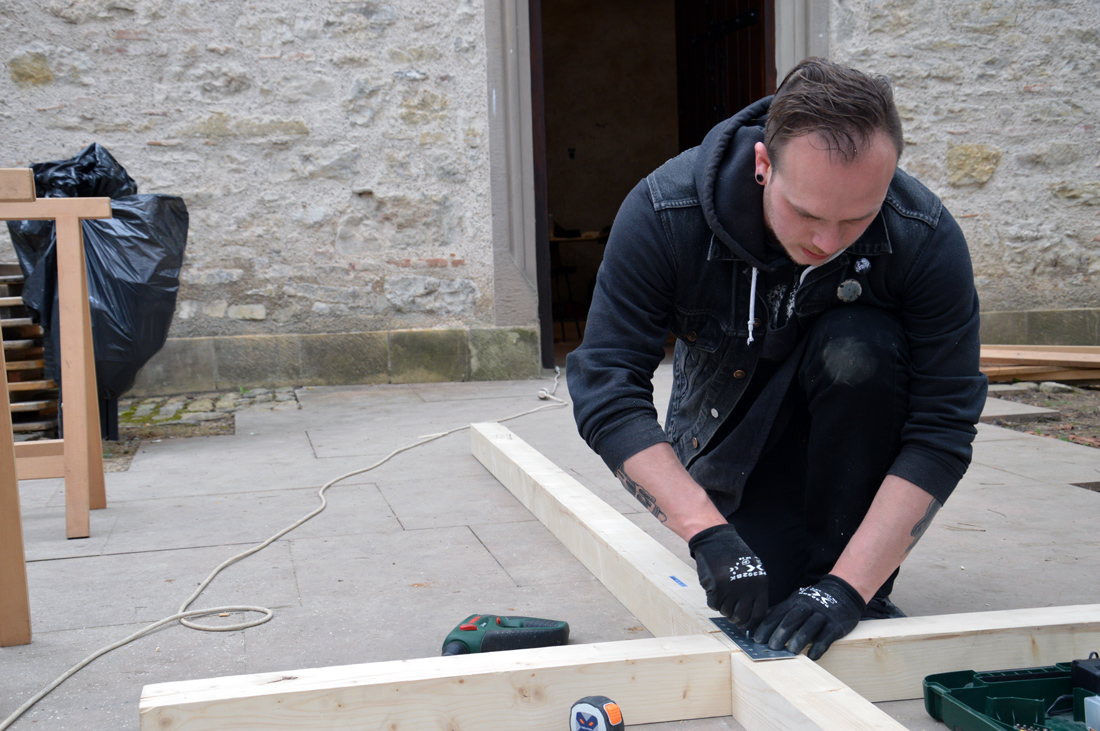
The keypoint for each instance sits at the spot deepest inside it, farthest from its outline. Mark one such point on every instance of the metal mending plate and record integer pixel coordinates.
(753, 650)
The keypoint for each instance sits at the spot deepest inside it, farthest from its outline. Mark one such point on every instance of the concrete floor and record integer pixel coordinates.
(406, 551)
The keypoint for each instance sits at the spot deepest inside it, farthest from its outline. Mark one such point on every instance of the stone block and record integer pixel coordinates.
(247, 312)
(971, 164)
(336, 359)
(1064, 327)
(504, 354)
(1080, 194)
(31, 69)
(428, 356)
(183, 365)
(257, 360)
(1004, 328)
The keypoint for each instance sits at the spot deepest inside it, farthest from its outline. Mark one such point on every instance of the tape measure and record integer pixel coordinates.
(595, 712)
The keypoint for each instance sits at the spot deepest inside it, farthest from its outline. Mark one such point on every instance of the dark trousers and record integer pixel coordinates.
(837, 433)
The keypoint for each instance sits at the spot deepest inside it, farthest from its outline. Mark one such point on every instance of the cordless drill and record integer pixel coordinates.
(489, 633)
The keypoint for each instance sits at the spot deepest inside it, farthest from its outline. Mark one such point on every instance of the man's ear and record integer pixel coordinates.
(763, 162)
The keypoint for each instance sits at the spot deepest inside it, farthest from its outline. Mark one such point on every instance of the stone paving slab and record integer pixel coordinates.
(39, 493)
(996, 408)
(145, 587)
(1043, 459)
(44, 533)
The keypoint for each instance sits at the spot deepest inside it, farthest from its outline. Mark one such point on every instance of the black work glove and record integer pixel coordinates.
(816, 615)
(732, 575)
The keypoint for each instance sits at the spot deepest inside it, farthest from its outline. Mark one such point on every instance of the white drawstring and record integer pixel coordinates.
(752, 305)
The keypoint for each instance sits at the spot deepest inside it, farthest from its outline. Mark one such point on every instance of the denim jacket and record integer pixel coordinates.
(680, 258)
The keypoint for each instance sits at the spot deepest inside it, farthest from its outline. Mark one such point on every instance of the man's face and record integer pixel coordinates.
(817, 205)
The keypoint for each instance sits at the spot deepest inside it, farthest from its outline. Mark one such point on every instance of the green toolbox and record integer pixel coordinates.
(1052, 697)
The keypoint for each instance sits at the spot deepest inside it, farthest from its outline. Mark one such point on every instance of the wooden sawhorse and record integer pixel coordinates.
(79, 456)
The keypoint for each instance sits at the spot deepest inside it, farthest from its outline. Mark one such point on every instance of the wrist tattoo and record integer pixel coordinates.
(922, 525)
(639, 492)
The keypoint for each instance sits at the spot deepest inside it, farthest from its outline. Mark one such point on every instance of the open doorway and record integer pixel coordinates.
(628, 84)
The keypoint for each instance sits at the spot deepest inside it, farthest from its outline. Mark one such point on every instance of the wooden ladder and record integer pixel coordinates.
(78, 457)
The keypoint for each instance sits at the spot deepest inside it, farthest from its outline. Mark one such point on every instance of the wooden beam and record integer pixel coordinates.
(637, 570)
(85, 487)
(653, 680)
(1039, 373)
(657, 587)
(999, 356)
(40, 460)
(800, 694)
(887, 659)
(15, 613)
(45, 209)
(17, 185)
(1091, 349)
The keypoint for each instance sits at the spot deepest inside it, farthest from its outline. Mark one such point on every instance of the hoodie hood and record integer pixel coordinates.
(731, 199)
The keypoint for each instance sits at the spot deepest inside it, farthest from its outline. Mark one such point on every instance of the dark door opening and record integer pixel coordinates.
(621, 86)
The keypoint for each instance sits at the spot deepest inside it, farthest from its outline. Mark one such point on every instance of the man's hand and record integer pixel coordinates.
(732, 575)
(816, 615)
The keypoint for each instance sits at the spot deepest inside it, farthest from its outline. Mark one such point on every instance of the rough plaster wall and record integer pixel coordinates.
(999, 100)
(332, 153)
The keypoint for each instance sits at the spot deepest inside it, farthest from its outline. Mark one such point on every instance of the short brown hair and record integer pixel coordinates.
(844, 106)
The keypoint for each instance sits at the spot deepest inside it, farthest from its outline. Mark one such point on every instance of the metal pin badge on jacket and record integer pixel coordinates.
(862, 265)
(849, 290)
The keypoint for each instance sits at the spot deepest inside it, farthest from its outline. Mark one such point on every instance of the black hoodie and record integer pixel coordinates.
(681, 257)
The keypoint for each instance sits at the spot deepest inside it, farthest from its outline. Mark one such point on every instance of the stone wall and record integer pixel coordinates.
(332, 153)
(999, 100)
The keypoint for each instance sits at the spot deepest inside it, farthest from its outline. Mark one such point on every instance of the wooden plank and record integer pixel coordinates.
(39, 449)
(887, 659)
(649, 580)
(636, 569)
(16, 322)
(800, 694)
(22, 406)
(40, 460)
(15, 612)
(1040, 373)
(19, 344)
(1093, 349)
(25, 365)
(29, 426)
(17, 185)
(998, 356)
(11, 301)
(37, 385)
(45, 209)
(84, 484)
(653, 680)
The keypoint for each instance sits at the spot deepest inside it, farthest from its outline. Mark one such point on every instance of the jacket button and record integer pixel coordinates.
(695, 442)
(691, 337)
(714, 413)
(738, 374)
(757, 322)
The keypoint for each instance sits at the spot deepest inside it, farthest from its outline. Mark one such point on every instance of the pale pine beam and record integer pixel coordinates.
(653, 680)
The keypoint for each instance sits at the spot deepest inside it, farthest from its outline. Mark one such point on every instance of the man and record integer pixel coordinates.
(825, 376)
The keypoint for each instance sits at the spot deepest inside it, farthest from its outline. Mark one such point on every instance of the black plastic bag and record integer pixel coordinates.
(133, 263)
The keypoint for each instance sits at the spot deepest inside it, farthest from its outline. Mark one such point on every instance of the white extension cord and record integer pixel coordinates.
(184, 616)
